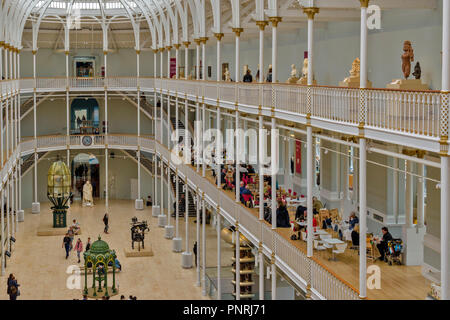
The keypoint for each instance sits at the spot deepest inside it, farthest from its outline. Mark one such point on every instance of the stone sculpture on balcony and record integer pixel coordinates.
(304, 79)
(293, 78)
(227, 75)
(407, 84)
(354, 80)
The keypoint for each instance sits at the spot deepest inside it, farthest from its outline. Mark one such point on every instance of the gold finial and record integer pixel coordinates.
(364, 3)
(262, 24)
(177, 45)
(186, 44)
(219, 36)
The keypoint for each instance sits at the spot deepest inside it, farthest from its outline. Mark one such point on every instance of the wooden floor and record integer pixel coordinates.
(398, 282)
(39, 262)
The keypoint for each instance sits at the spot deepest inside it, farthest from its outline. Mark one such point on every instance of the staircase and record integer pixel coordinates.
(28, 162)
(147, 163)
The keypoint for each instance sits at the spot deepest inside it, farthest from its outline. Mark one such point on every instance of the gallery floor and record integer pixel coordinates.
(39, 264)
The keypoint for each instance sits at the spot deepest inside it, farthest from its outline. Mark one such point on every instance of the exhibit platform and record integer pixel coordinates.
(46, 229)
(134, 253)
(411, 84)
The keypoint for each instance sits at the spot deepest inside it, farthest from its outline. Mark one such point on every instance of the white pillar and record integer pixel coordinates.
(219, 37)
(168, 61)
(197, 226)
(36, 207)
(197, 59)
(219, 258)
(420, 195)
(203, 40)
(186, 60)
(274, 277)
(261, 25)
(161, 67)
(261, 270)
(187, 254)
(177, 63)
(2, 144)
(237, 31)
(275, 21)
(2, 220)
(310, 12)
(409, 195)
(238, 263)
(177, 244)
(203, 244)
(8, 216)
(261, 151)
(395, 190)
(202, 142)
(237, 155)
(445, 166)
(274, 169)
(309, 187)
(219, 158)
(362, 217)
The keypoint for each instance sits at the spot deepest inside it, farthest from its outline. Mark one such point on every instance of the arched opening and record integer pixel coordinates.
(85, 167)
(84, 116)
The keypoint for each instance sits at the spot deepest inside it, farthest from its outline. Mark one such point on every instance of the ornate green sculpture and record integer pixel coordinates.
(98, 259)
(59, 192)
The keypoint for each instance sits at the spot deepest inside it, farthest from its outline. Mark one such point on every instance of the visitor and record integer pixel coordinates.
(283, 220)
(12, 287)
(66, 244)
(300, 213)
(353, 220)
(122, 297)
(71, 236)
(75, 227)
(248, 76)
(355, 236)
(79, 248)
(149, 201)
(269, 75)
(194, 250)
(317, 205)
(383, 244)
(182, 204)
(106, 221)
(88, 244)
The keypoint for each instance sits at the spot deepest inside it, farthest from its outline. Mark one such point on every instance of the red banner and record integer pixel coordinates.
(298, 157)
(173, 67)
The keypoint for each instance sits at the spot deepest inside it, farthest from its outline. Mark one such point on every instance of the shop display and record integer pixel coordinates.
(138, 230)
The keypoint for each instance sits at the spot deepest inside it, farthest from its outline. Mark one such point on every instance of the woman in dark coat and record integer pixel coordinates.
(283, 220)
(13, 287)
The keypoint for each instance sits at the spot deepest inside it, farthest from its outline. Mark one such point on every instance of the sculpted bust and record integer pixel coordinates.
(305, 68)
(293, 71)
(407, 58)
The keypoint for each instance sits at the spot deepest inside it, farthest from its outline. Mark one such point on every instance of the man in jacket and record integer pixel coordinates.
(383, 245)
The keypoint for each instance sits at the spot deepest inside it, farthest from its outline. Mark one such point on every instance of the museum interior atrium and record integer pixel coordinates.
(137, 137)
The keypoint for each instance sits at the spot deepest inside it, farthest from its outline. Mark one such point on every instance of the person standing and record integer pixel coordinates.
(13, 287)
(88, 244)
(79, 249)
(66, 244)
(106, 221)
(194, 249)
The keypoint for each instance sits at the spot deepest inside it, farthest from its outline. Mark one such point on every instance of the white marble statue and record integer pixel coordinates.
(87, 194)
(227, 75)
(293, 78)
(305, 68)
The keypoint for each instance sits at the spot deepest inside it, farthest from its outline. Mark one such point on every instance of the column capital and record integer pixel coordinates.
(34, 52)
(169, 48)
(218, 36)
(272, 258)
(176, 46)
(66, 52)
(2, 44)
(155, 50)
(262, 24)
(204, 39)
(197, 41)
(238, 31)
(275, 21)
(105, 52)
(364, 3)
(161, 49)
(138, 52)
(186, 43)
(311, 12)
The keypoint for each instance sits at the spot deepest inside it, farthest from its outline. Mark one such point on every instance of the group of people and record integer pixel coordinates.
(73, 230)
(12, 287)
(67, 244)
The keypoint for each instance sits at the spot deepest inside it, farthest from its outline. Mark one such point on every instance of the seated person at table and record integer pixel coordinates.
(300, 213)
(229, 177)
(383, 245)
(355, 235)
(283, 220)
(353, 220)
(250, 169)
(326, 223)
(317, 205)
(246, 195)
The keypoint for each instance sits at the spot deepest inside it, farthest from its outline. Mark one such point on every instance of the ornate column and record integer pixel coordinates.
(275, 21)
(169, 229)
(168, 61)
(203, 41)
(162, 219)
(311, 12)
(274, 276)
(186, 59)
(203, 244)
(219, 257)
(274, 167)
(177, 245)
(261, 271)
(237, 155)
(161, 56)
(202, 142)
(186, 259)
(219, 37)
(237, 261)
(177, 63)
(2, 231)
(262, 25)
(420, 195)
(197, 58)
(219, 145)
(36, 206)
(445, 165)
(238, 32)
(363, 154)
(261, 151)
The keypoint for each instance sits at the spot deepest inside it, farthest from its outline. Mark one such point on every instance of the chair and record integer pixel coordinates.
(318, 246)
(325, 236)
(340, 248)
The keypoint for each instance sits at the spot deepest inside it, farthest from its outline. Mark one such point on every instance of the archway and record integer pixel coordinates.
(85, 167)
(84, 116)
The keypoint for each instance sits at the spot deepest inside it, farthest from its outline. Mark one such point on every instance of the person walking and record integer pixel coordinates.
(106, 221)
(66, 244)
(88, 244)
(79, 249)
(194, 249)
(13, 287)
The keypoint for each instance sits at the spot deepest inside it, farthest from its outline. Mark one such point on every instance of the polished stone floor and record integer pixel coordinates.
(39, 263)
